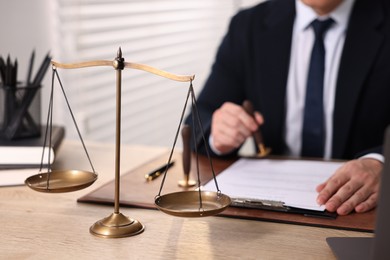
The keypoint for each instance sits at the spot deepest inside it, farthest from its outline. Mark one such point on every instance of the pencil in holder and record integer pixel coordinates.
(20, 111)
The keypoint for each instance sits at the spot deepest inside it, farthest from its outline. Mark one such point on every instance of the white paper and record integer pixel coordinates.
(290, 181)
(25, 155)
(15, 177)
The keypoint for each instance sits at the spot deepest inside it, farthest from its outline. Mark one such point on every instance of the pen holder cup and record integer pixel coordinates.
(20, 111)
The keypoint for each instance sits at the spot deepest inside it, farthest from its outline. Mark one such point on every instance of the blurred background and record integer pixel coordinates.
(178, 36)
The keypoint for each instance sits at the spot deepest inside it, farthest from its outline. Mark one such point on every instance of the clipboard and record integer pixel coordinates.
(137, 192)
(280, 207)
(276, 184)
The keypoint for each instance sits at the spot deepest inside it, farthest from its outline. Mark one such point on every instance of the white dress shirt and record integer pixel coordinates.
(302, 44)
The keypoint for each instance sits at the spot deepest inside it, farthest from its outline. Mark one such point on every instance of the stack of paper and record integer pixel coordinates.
(22, 158)
(291, 182)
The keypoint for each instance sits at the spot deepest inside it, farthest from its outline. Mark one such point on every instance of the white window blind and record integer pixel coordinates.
(178, 36)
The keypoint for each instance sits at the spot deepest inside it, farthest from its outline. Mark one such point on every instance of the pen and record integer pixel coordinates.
(8, 72)
(2, 70)
(30, 67)
(42, 70)
(15, 73)
(157, 172)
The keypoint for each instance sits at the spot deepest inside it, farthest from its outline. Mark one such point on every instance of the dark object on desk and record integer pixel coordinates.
(58, 134)
(157, 172)
(142, 194)
(356, 248)
(20, 104)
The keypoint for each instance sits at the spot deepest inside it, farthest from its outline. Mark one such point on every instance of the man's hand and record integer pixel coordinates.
(354, 186)
(231, 125)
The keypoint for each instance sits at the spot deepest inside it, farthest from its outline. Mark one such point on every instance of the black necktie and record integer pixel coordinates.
(313, 131)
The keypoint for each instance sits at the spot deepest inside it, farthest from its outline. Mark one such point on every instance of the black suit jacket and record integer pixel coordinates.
(253, 61)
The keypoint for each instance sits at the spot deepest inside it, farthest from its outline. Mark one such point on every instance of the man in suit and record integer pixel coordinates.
(265, 58)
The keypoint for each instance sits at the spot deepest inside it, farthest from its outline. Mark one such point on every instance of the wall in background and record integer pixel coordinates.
(173, 35)
(26, 26)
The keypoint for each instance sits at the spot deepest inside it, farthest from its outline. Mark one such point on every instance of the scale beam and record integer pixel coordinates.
(131, 65)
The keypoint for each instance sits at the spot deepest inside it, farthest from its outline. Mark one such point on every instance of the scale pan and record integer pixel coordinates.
(187, 203)
(61, 181)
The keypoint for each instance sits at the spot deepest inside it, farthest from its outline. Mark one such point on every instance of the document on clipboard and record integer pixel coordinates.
(282, 185)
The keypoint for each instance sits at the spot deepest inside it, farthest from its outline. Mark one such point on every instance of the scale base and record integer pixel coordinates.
(263, 151)
(186, 183)
(115, 226)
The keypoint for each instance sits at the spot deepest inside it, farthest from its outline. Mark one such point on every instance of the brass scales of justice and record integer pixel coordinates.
(193, 203)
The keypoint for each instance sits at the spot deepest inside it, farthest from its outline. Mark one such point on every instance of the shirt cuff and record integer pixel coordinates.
(376, 156)
(212, 147)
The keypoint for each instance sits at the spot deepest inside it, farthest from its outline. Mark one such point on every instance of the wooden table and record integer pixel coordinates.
(54, 226)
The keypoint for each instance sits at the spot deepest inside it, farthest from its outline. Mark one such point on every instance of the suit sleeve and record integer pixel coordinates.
(223, 84)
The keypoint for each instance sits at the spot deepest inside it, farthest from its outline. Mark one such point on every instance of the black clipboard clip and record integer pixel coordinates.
(259, 204)
(280, 206)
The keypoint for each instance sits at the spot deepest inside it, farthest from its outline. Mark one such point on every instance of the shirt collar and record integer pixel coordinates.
(305, 15)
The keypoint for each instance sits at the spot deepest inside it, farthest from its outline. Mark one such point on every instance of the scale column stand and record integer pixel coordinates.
(117, 225)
